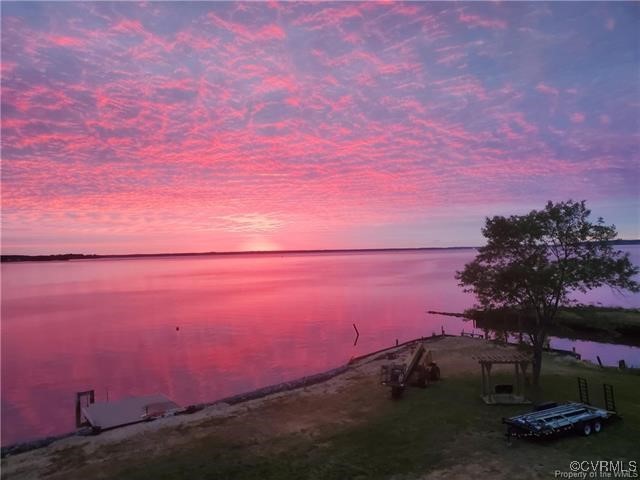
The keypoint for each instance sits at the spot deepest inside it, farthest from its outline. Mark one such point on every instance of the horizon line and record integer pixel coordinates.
(244, 252)
(232, 252)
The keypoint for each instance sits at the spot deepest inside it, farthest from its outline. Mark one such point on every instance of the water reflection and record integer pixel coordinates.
(244, 322)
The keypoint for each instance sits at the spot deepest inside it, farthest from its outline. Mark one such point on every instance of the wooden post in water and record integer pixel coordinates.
(78, 411)
(79, 395)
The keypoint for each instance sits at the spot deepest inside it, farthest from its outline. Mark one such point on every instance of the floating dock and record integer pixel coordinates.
(126, 411)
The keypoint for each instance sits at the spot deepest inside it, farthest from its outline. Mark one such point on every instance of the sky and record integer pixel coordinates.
(177, 127)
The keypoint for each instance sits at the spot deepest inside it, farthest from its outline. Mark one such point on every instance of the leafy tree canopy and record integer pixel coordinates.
(534, 262)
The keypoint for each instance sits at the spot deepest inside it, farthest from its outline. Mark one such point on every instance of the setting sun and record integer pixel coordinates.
(260, 244)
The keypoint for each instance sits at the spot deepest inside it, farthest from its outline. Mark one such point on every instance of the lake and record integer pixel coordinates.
(202, 328)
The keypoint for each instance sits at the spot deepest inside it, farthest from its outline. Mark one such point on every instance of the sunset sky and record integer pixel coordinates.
(166, 127)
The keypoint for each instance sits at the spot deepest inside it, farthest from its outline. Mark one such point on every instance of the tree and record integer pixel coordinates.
(532, 263)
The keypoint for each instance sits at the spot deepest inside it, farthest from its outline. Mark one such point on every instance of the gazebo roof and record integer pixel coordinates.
(507, 357)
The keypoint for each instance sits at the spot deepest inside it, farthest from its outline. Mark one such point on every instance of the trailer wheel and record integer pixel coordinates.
(586, 429)
(597, 427)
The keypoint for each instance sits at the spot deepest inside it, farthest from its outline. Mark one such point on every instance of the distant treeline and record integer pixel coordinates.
(624, 242)
(587, 322)
(45, 258)
(80, 256)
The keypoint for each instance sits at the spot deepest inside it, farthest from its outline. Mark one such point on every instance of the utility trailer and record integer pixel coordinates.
(553, 419)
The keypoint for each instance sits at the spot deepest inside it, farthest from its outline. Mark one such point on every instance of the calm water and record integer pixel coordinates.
(244, 322)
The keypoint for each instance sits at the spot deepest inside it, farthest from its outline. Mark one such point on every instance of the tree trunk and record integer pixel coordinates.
(538, 346)
(537, 361)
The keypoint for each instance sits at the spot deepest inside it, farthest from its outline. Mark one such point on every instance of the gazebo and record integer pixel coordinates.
(504, 394)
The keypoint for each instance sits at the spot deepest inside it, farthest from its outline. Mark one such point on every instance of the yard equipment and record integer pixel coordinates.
(393, 376)
(420, 371)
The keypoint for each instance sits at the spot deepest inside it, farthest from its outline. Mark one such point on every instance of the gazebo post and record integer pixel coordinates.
(524, 366)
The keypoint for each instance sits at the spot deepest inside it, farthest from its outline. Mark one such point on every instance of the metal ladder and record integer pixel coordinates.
(583, 390)
(609, 399)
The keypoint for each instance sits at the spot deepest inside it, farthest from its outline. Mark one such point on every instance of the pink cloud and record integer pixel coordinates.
(478, 21)
(547, 89)
(610, 24)
(451, 54)
(330, 17)
(271, 32)
(265, 33)
(128, 26)
(196, 40)
(277, 82)
(462, 86)
(65, 41)
(223, 123)
(578, 117)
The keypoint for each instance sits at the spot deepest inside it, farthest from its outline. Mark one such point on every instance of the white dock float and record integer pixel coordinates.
(105, 415)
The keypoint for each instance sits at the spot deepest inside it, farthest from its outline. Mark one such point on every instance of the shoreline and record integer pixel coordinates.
(17, 258)
(262, 392)
(334, 425)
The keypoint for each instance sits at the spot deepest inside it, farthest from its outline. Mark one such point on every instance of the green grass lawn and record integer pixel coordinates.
(431, 429)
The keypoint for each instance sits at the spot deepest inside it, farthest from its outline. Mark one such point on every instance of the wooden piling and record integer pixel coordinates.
(90, 394)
